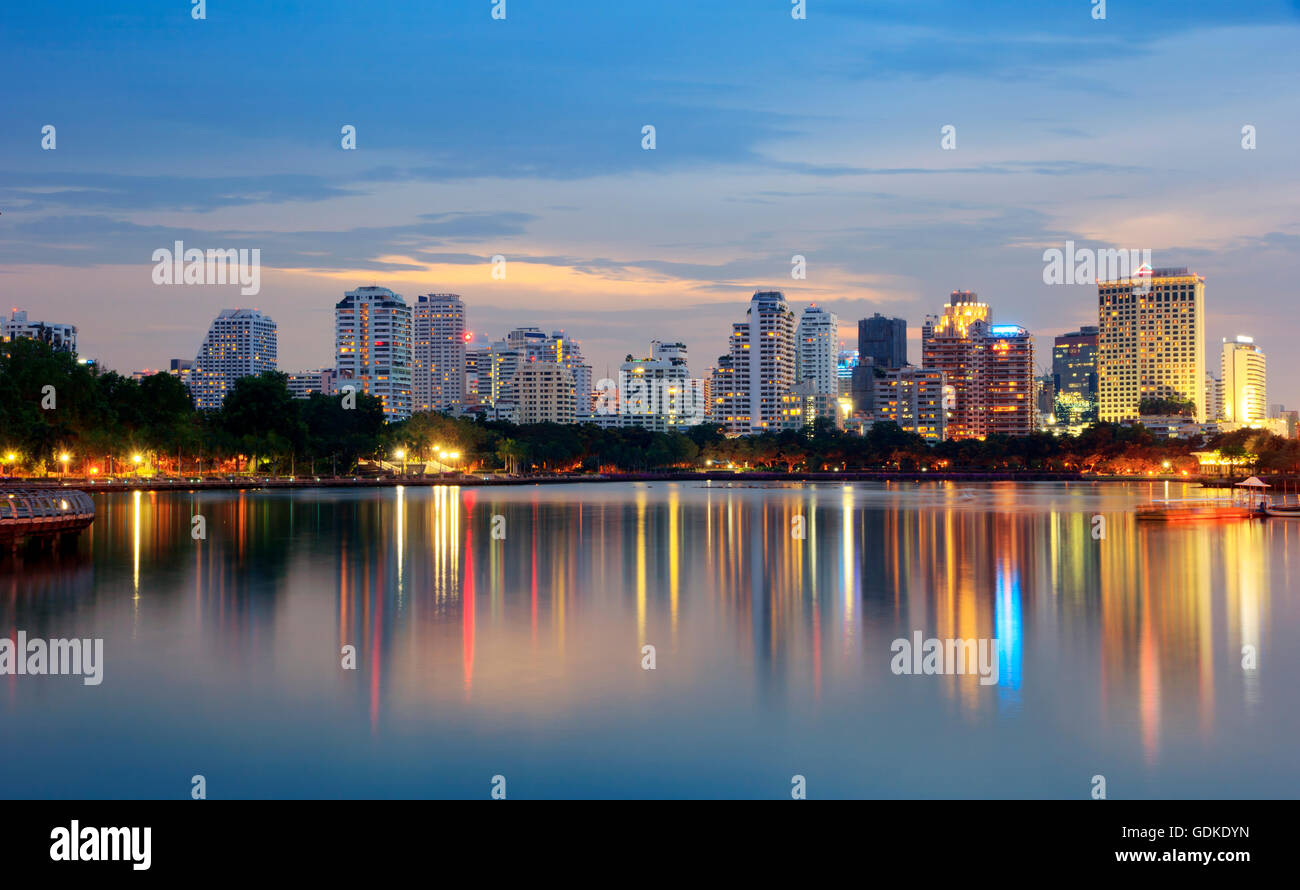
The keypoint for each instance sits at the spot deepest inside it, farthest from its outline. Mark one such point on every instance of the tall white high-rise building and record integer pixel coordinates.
(1243, 382)
(240, 343)
(762, 367)
(818, 343)
(372, 341)
(1151, 343)
(438, 373)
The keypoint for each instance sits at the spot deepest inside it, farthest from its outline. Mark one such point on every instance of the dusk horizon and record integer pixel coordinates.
(618, 245)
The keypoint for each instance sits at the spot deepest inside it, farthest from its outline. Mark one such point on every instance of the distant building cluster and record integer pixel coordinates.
(1143, 361)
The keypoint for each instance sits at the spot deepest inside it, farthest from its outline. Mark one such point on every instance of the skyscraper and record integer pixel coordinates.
(240, 343)
(372, 336)
(438, 371)
(883, 340)
(1074, 377)
(1151, 342)
(1244, 382)
(817, 345)
(950, 343)
(1005, 381)
(762, 364)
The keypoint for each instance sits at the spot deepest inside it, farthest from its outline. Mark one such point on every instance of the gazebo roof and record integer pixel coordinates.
(1253, 482)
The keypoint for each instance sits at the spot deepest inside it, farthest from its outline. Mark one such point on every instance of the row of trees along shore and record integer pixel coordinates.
(106, 424)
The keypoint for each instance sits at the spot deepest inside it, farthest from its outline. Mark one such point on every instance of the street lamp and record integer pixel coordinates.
(137, 460)
(400, 454)
(63, 459)
(10, 459)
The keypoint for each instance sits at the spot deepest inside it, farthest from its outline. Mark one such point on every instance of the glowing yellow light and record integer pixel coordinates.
(135, 458)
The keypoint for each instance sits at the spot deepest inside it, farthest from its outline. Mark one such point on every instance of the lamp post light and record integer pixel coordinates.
(63, 461)
(137, 460)
(11, 460)
(400, 454)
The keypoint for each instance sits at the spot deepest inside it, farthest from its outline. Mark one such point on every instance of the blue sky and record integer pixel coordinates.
(522, 138)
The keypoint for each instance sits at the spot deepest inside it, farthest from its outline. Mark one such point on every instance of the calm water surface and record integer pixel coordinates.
(522, 657)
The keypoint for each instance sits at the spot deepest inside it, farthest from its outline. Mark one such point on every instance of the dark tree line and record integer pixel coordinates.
(51, 406)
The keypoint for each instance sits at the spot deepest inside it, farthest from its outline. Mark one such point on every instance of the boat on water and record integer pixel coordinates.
(1282, 509)
(1184, 509)
(1246, 502)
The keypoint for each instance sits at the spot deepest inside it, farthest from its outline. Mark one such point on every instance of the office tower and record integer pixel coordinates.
(1244, 382)
(1005, 380)
(883, 340)
(722, 391)
(240, 343)
(951, 343)
(545, 393)
(438, 353)
(913, 398)
(817, 342)
(657, 393)
(1151, 342)
(58, 336)
(1074, 377)
(372, 336)
(763, 361)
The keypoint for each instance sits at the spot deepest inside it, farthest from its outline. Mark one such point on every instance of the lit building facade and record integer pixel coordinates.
(951, 343)
(817, 347)
(239, 343)
(1074, 377)
(545, 393)
(1151, 342)
(372, 337)
(762, 365)
(1004, 393)
(1244, 382)
(438, 353)
(914, 399)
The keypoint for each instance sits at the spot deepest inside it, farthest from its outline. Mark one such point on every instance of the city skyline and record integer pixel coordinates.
(975, 384)
(844, 169)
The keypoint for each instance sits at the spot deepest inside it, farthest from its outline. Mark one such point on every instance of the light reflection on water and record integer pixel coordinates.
(522, 656)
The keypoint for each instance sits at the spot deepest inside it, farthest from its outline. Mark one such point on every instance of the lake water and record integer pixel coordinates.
(522, 656)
